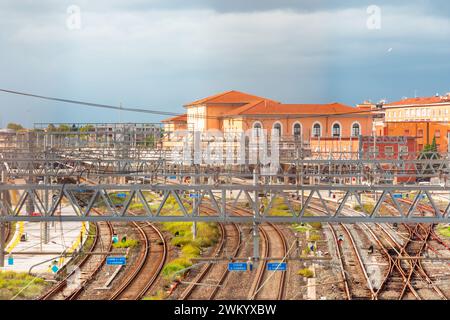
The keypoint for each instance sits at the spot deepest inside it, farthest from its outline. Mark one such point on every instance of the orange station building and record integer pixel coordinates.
(325, 127)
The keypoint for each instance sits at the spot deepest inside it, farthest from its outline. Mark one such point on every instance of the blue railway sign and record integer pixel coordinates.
(10, 261)
(116, 261)
(237, 266)
(172, 177)
(398, 196)
(121, 195)
(276, 266)
(194, 195)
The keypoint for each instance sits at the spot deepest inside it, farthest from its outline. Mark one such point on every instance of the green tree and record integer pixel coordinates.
(63, 128)
(14, 126)
(87, 128)
(430, 150)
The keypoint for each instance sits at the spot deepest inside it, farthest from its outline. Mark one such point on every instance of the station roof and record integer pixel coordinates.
(228, 97)
(420, 101)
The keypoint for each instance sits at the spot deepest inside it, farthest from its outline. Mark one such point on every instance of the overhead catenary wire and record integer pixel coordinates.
(175, 114)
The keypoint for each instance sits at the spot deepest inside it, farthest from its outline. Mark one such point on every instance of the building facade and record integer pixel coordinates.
(328, 125)
(424, 118)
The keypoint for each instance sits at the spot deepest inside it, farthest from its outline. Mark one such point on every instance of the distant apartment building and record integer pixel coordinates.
(424, 118)
(387, 147)
(108, 134)
(325, 127)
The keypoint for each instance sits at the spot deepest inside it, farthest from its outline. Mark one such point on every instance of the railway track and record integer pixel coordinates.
(7, 232)
(400, 274)
(103, 226)
(57, 291)
(148, 266)
(215, 273)
(350, 266)
(403, 274)
(235, 253)
(395, 278)
(270, 233)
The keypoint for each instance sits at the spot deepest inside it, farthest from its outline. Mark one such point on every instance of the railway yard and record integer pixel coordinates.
(393, 270)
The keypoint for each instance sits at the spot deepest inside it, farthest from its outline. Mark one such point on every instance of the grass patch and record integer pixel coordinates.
(175, 266)
(301, 227)
(91, 237)
(314, 237)
(279, 207)
(306, 272)
(11, 283)
(157, 296)
(129, 243)
(207, 235)
(368, 207)
(191, 250)
(444, 230)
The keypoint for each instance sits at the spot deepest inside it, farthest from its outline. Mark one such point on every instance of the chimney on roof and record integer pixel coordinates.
(437, 94)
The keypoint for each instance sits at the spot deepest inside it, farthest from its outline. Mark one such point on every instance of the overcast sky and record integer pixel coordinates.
(161, 54)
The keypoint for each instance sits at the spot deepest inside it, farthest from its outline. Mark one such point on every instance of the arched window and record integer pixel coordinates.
(317, 130)
(356, 130)
(257, 127)
(297, 130)
(277, 127)
(336, 130)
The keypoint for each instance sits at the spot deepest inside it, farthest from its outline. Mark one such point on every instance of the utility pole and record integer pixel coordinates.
(255, 223)
(2, 224)
(195, 202)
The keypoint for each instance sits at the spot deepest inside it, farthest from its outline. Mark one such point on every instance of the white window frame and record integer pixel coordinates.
(351, 128)
(281, 127)
(293, 128)
(320, 128)
(340, 129)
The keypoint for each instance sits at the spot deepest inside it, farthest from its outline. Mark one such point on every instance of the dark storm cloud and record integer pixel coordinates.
(160, 54)
(438, 7)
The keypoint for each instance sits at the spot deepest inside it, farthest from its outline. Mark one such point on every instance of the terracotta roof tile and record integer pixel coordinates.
(180, 118)
(232, 97)
(266, 107)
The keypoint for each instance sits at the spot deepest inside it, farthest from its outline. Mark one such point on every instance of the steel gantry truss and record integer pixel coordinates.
(86, 168)
(153, 199)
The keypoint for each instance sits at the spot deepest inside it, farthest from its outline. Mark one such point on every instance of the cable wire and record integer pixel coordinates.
(173, 114)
